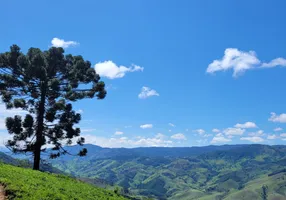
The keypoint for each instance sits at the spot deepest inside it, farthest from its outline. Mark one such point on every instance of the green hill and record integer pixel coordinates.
(21, 183)
(223, 174)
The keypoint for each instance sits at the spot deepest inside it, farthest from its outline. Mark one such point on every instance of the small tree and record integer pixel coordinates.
(264, 193)
(44, 83)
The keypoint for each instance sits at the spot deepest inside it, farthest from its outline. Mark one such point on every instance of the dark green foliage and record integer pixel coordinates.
(44, 83)
(264, 193)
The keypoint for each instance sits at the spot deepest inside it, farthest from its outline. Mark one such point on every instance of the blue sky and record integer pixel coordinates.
(167, 49)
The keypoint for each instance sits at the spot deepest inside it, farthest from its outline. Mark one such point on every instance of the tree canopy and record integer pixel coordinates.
(44, 84)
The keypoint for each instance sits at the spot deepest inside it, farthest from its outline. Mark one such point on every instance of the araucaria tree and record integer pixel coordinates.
(44, 84)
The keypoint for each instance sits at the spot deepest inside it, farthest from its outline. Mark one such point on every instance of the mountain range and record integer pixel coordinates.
(211, 172)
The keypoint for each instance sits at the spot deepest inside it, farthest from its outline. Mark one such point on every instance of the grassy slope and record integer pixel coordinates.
(27, 184)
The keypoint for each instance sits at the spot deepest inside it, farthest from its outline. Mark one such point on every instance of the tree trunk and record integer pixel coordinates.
(40, 128)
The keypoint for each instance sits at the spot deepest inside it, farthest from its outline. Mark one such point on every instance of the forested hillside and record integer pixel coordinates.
(232, 173)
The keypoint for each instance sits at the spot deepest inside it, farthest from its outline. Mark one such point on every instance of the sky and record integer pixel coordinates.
(178, 73)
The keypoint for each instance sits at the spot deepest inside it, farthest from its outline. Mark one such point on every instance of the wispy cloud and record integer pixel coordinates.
(199, 131)
(254, 139)
(233, 131)
(246, 125)
(159, 140)
(220, 139)
(179, 136)
(144, 126)
(118, 133)
(147, 92)
(170, 124)
(272, 137)
(215, 130)
(277, 129)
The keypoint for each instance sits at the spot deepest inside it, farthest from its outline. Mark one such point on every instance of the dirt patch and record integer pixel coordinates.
(2, 193)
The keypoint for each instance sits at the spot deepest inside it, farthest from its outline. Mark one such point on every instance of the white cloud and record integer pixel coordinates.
(156, 141)
(254, 139)
(215, 130)
(56, 42)
(199, 131)
(246, 125)
(272, 137)
(207, 135)
(220, 139)
(80, 111)
(8, 113)
(179, 136)
(275, 62)
(118, 133)
(110, 70)
(86, 130)
(283, 134)
(233, 131)
(4, 137)
(219, 135)
(144, 126)
(170, 124)
(277, 129)
(147, 92)
(278, 118)
(240, 61)
(257, 133)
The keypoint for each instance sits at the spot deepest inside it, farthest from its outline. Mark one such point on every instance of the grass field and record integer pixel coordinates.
(28, 184)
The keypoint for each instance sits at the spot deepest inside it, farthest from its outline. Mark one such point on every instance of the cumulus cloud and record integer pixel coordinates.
(144, 126)
(233, 131)
(277, 129)
(220, 139)
(246, 125)
(56, 42)
(277, 118)
(110, 70)
(254, 139)
(199, 131)
(118, 133)
(147, 92)
(215, 130)
(240, 61)
(179, 136)
(170, 124)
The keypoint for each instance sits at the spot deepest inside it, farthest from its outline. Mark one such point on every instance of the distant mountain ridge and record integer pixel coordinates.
(97, 152)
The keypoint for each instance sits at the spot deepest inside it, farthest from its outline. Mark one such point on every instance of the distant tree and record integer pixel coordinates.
(264, 193)
(44, 83)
